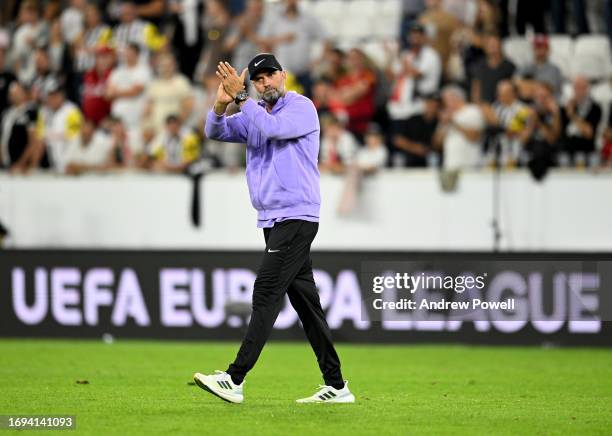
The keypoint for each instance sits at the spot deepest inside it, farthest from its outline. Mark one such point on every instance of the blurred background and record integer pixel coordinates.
(446, 126)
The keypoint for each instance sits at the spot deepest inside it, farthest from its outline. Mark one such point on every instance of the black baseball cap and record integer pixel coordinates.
(261, 62)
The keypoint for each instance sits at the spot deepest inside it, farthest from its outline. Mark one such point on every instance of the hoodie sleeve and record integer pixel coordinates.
(298, 118)
(228, 129)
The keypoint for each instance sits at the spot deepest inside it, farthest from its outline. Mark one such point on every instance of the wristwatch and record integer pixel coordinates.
(241, 96)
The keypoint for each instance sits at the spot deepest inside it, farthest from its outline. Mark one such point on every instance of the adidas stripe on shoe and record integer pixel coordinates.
(220, 384)
(327, 394)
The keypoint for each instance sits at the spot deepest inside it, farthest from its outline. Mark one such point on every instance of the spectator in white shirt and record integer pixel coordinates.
(418, 74)
(91, 152)
(460, 130)
(126, 89)
(73, 19)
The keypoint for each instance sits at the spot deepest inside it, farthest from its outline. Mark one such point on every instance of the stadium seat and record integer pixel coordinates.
(308, 6)
(390, 8)
(363, 8)
(329, 8)
(386, 19)
(385, 26)
(357, 29)
(561, 52)
(590, 65)
(592, 57)
(518, 50)
(596, 44)
(330, 13)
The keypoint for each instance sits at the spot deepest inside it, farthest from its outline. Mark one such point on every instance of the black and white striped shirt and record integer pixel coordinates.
(99, 35)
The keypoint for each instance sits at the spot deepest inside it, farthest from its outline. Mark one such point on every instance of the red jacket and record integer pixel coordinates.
(95, 106)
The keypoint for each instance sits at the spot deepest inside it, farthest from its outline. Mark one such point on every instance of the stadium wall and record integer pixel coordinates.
(398, 210)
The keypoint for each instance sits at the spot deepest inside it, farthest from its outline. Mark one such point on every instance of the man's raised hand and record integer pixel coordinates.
(232, 83)
(222, 100)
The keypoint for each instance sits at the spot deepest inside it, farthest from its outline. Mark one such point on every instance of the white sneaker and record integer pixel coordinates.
(327, 394)
(220, 384)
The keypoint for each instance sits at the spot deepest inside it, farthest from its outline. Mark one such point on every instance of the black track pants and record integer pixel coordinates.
(286, 267)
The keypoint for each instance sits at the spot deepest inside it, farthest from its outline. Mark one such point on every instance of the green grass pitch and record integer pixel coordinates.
(139, 387)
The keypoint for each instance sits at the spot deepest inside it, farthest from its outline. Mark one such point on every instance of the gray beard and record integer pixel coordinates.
(271, 96)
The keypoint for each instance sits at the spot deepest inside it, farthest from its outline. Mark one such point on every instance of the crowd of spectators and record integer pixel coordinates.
(90, 85)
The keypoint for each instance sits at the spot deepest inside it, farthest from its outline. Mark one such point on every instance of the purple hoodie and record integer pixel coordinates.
(282, 154)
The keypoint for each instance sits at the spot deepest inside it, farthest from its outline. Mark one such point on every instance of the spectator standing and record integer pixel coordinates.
(490, 71)
(469, 42)
(188, 38)
(31, 32)
(72, 20)
(133, 30)
(464, 10)
(169, 93)
(460, 130)
(243, 40)
(18, 126)
(440, 25)
(126, 90)
(530, 12)
(419, 73)
(290, 34)
(216, 26)
(95, 34)
(60, 57)
(96, 106)
(8, 11)
(150, 10)
(579, 15)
